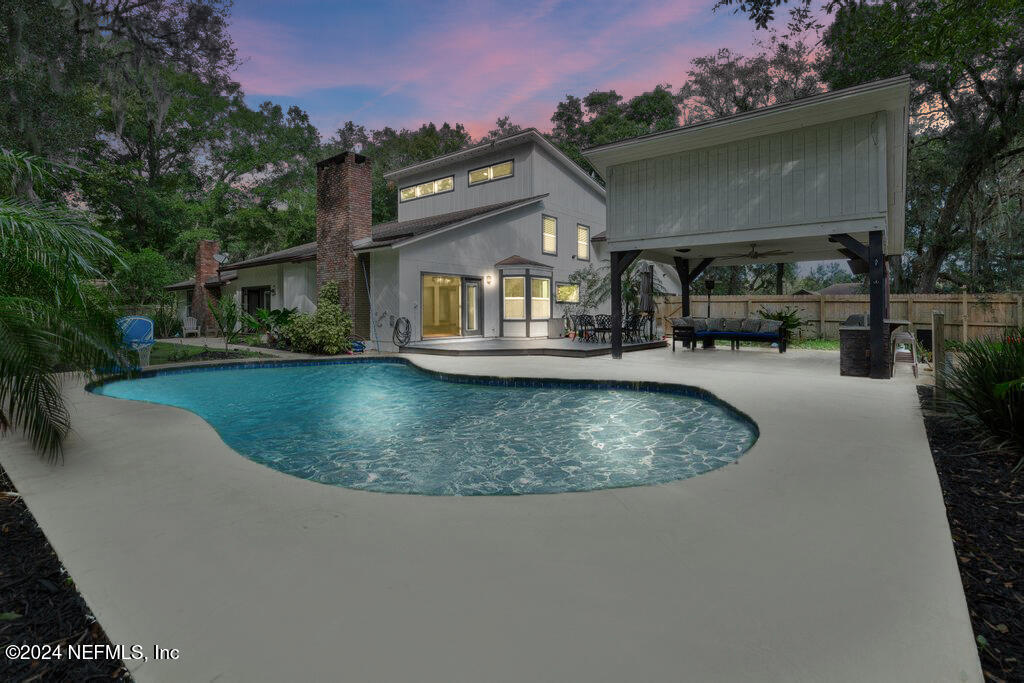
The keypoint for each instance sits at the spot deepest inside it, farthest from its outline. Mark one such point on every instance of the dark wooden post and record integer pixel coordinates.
(876, 288)
(780, 269)
(620, 261)
(939, 352)
(683, 271)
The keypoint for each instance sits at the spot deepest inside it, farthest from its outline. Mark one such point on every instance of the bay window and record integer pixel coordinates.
(540, 298)
(514, 304)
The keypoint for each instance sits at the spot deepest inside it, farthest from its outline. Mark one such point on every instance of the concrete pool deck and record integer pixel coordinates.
(822, 554)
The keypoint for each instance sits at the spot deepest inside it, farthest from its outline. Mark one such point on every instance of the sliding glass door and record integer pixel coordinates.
(442, 306)
(453, 306)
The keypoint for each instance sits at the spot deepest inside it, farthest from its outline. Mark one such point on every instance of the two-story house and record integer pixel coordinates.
(484, 244)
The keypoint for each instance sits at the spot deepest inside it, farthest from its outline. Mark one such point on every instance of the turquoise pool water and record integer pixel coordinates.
(394, 428)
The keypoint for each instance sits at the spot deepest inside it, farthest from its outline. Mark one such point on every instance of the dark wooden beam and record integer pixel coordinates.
(700, 268)
(859, 250)
(780, 271)
(858, 267)
(877, 291)
(683, 271)
(687, 276)
(620, 261)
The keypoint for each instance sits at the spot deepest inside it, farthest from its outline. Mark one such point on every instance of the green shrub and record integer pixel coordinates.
(789, 316)
(269, 322)
(326, 331)
(227, 315)
(983, 386)
(166, 321)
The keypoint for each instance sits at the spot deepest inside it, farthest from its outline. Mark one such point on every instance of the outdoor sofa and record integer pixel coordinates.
(688, 330)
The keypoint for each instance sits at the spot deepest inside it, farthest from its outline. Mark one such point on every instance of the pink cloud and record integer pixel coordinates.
(486, 63)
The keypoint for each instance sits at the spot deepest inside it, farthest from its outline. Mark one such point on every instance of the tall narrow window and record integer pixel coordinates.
(540, 298)
(549, 235)
(582, 243)
(515, 298)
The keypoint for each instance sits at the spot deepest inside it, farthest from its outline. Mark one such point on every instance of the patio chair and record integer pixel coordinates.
(603, 325)
(903, 338)
(631, 327)
(585, 327)
(569, 324)
(137, 335)
(189, 326)
(577, 326)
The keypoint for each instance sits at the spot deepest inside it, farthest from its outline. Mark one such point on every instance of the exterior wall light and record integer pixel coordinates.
(488, 279)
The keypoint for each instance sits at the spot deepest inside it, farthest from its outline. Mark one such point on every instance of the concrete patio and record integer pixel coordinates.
(822, 554)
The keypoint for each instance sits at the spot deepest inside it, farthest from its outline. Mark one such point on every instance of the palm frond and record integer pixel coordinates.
(46, 327)
(54, 236)
(36, 340)
(15, 166)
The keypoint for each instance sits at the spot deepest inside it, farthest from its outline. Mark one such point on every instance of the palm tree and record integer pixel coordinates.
(47, 327)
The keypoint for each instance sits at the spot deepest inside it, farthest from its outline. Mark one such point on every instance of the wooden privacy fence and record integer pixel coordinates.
(968, 316)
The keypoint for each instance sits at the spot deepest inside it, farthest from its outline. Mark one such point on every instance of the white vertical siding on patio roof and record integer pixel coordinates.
(824, 165)
(820, 173)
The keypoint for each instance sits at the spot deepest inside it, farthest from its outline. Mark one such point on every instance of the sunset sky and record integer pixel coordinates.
(406, 63)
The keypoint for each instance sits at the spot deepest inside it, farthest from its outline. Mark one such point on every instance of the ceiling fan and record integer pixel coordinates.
(754, 254)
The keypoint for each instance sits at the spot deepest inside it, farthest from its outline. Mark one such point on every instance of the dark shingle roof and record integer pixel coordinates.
(384, 234)
(303, 252)
(226, 276)
(600, 237)
(517, 260)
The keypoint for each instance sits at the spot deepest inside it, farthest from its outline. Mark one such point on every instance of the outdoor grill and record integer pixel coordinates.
(855, 345)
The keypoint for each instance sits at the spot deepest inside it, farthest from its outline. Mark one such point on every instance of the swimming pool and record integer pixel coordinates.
(385, 425)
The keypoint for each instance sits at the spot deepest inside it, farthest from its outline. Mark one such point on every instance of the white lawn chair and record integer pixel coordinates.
(903, 338)
(190, 326)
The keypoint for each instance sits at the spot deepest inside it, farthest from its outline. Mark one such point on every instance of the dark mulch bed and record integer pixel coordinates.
(985, 508)
(34, 585)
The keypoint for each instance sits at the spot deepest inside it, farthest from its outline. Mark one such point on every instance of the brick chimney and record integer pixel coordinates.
(206, 268)
(343, 214)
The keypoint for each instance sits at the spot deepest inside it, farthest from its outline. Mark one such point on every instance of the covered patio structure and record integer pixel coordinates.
(815, 179)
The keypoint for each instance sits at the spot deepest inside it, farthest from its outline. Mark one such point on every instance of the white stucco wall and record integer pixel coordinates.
(298, 286)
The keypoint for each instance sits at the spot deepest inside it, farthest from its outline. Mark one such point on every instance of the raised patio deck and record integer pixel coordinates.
(522, 347)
